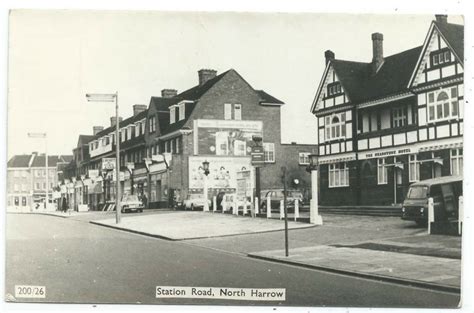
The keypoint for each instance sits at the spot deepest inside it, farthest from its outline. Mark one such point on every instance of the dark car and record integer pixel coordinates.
(277, 195)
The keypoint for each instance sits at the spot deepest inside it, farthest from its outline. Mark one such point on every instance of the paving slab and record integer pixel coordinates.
(193, 225)
(443, 273)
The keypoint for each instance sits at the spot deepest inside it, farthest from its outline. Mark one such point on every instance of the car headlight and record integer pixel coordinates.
(403, 209)
(422, 210)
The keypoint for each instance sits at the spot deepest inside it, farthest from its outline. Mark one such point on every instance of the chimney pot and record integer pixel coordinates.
(329, 56)
(169, 93)
(205, 75)
(377, 49)
(113, 120)
(442, 18)
(138, 108)
(97, 129)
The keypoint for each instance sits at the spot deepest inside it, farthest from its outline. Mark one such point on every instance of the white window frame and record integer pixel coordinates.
(143, 124)
(303, 158)
(413, 168)
(382, 177)
(338, 175)
(172, 114)
(456, 161)
(269, 152)
(181, 110)
(452, 101)
(399, 118)
(238, 111)
(335, 130)
(227, 111)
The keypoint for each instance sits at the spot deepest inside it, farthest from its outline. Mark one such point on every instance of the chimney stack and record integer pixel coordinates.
(113, 120)
(205, 75)
(329, 56)
(442, 18)
(377, 49)
(97, 129)
(138, 108)
(169, 93)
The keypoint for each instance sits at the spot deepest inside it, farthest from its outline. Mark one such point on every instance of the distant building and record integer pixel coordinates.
(393, 121)
(26, 183)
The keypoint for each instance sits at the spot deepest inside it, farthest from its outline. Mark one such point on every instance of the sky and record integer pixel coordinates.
(56, 57)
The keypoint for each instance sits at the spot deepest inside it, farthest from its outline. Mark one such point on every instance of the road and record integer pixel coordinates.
(83, 263)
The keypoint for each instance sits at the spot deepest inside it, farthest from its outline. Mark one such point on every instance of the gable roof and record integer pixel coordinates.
(84, 139)
(53, 160)
(22, 160)
(454, 35)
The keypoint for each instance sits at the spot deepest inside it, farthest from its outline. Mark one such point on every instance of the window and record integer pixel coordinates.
(335, 126)
(413, 168)
(152, 124)
(16, 187)
(304, 158)
(237, 111)
(443, 104)
(17, 201)
(227, 111)
(399, 117)
(334, 89)
(172, 114)
(23, 187)
(37, 173)
(456, 161)
(382, 172)
(107, 140)
(338, 175)
(23, 174)
(182, 108)
(37, 186)
(23, 201)
(138, 129)
(269, 152)
(142, 125)
(440, 57)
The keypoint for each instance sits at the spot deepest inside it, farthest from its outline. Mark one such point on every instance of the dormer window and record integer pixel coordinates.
(440, 57)
(172, 114)
(334, 89)
(181, 109)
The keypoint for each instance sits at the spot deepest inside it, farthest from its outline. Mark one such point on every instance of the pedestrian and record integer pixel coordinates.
(144, 201)
(64, 206)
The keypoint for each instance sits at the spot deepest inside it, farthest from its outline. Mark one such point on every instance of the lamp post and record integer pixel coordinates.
(205, 167)
(258, 143)
(314, 217)
(44, 136)
(113, 97)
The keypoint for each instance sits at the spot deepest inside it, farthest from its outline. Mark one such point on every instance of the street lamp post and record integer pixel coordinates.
(112, 98)
(44, 136)
(314, 217)
(205, 167)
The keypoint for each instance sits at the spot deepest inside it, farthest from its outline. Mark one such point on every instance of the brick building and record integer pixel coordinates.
(215, 121)
(396, 120)
(27, 179)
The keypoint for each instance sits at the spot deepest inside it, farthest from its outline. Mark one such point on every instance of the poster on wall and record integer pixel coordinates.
(226, 137)
(223, 171)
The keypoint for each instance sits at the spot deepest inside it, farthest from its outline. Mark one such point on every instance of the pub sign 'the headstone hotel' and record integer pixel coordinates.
(396, 120)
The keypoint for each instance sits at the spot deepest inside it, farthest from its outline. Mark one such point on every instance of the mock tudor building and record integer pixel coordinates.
(216, 121)
(396, 120)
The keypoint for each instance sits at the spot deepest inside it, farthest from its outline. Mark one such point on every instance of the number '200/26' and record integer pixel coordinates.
(31, 291)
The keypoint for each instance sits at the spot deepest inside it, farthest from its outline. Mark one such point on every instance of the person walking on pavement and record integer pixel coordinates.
(64, 205)
(144, 201)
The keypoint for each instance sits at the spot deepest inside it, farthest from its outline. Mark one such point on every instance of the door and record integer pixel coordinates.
(158, 191)
(450, 203)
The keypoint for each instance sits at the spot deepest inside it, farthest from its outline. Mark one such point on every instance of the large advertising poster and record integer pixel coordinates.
(223, 172)
(225, 137)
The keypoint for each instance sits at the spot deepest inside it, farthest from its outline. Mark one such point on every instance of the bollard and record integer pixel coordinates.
(282, 212)
(460, 214)
(430, 214)
(297, 210)
(269, 207)
(214, 204)
(256, 206)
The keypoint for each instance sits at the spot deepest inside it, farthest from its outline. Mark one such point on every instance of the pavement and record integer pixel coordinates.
(383, 248)
(182, 225)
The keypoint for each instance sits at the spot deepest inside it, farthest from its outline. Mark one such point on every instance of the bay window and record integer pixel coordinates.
(443, 104)
(335, 126)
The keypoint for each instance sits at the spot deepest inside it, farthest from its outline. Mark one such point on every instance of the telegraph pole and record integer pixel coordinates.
(283, 169)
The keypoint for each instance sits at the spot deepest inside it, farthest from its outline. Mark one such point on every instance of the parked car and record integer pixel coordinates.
(277, 195)
(194, 201)
(228, 202)
(131, 203)
(445, 192)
